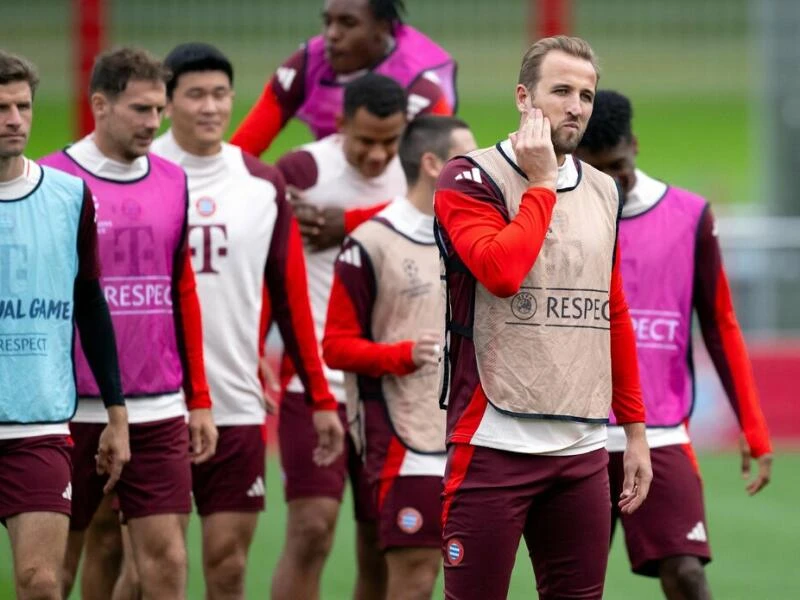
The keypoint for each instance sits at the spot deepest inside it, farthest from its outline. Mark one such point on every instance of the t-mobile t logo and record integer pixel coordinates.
(211, 239)
(13, 269)
(134, 247)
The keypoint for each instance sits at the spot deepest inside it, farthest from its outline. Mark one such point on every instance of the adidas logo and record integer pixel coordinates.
(351, 256)
(416, 104)
(67, 493)
(256, 490)
(473, 174)
(285, 77)
(698, 533)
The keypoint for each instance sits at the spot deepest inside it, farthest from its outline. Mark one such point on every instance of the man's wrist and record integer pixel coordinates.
(635, 431)
(117, 414)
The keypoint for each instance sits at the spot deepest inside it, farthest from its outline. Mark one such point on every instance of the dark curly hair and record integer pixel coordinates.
(610, 123)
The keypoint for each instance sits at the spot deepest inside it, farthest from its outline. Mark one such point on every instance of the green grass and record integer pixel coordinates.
(754, 541)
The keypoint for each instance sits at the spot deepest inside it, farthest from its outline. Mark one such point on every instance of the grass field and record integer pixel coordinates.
(754, 541)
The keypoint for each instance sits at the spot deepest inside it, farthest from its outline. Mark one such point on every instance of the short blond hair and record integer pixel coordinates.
(529, 72)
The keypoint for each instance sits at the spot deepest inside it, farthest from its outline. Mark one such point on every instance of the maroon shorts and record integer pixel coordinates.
(303, 478)
(233, 479)
(672, 521)
(411, 512)
(157, 480)
(559, 503)
(35, 475)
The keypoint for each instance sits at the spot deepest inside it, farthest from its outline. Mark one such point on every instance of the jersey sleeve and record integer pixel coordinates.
(498, 252)
(723, 336)
(287, 293)
(627, 401)
(353, 217)
(426, 97)
(347, 344)
(189, 329)
(281, 99)
(299, 169)
(88, 252)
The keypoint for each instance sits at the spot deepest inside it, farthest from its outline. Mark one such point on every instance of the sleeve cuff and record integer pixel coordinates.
(199, 400)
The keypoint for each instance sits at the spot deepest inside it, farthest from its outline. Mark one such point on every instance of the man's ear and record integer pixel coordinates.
(635, 143)
(340, 121)
(100, 104)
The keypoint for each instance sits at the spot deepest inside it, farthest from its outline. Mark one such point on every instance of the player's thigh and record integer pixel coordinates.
(297, 438)
(417, 565)
(227, 535)
(568, 529)
(38, 541)
(233, 480)
(158, 542)
(672, 521)
(483, 520)
(158, 479)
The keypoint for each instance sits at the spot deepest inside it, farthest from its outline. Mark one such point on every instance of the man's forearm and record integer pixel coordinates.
(97, 340)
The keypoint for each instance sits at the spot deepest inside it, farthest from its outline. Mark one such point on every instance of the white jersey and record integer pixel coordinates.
(233, 210)
(322, 171)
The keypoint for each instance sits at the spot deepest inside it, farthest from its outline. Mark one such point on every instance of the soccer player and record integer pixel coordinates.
(541, 345)
(358, 167)
(358, 36)
(384, 328)
(141, 203)
(49, 273)
(665, 229)
(245, 243)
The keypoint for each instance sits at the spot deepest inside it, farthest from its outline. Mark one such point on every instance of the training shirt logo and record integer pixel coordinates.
(206, 206)
(455, 552)
(409, 520)
(524, 306)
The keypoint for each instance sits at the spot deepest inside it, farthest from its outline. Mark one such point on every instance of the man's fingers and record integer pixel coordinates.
(113, 477)
(546, 130)
(537, 125)
(764, 475)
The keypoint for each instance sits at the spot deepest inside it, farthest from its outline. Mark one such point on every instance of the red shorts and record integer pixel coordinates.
(233, 479)
(157, 480)
(411, 512)
(35, 475)
(672, 521)
(559, 503)
(303, 478)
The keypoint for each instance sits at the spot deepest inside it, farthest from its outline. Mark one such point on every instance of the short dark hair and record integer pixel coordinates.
(193, 57)
(380, 95)
(15, 68)
(113, 70)
(610, 123)
(426, 133)
(389, 11)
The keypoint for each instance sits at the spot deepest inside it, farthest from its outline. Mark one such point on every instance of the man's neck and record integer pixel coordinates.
(109, 150)
(560, 159)
(420, 195)
(11, 167)
(195, 147)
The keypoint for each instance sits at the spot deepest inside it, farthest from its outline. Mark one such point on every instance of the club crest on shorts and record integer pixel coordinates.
(455, 552)
(205, 206)
(409, 520)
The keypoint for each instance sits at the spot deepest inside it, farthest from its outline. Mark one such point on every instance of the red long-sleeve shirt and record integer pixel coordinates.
(499, 252)
(189, 328)
(285, 93)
